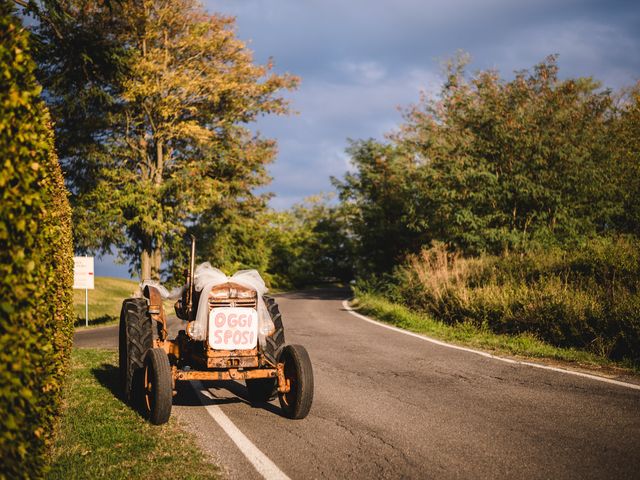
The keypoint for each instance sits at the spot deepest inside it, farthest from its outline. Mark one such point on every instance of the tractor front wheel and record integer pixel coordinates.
(158, 393)
(298, 373)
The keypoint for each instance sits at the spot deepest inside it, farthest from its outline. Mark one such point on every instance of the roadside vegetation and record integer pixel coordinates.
(524, 345)
(586, 298)
(102, 437)
(507, 206)
(105, 301)
(35, 262)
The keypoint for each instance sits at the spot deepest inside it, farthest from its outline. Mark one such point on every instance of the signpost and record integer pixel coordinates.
(83, 279)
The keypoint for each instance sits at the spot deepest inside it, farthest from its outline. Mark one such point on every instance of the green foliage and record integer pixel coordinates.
(522, 189)
(626, 162)
(152, 101)
(386, 205)
(588, 297)
(233, 237)
(309, 243)
(492, 166)
(35, 262)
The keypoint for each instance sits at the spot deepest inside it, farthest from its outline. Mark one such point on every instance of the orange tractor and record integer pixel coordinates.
(233, 332)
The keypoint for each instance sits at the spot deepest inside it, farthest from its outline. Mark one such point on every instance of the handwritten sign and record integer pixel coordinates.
(233, 328)
(83, 273)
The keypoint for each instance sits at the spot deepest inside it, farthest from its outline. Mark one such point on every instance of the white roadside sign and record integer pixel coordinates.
(83, 273)
(83, 280)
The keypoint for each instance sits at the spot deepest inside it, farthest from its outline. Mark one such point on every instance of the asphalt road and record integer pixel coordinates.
(389, 405)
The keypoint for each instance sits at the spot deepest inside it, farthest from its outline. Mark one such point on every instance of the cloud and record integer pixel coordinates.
(359, 60)
(586, 48)
(363, 72)
(312, 144)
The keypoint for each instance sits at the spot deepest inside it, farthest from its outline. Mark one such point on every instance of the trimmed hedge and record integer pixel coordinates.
(36, 263)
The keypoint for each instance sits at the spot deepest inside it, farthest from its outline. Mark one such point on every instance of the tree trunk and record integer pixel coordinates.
(156, 263)
(145, 265)
(156, 253)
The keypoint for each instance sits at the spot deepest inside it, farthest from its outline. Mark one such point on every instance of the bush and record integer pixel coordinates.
(588, 297)
(35, 263)
(309, 244)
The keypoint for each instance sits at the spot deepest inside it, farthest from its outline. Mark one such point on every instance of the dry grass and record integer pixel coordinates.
(588, 298)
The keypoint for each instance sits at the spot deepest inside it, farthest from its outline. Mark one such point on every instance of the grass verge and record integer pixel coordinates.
(104, 302)
(102, 437)
(522, 345)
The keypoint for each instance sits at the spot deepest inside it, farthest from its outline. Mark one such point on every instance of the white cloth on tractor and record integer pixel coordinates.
(174, 294)
(208, 277)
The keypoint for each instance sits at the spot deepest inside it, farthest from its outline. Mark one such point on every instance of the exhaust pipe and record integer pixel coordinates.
(190, 279)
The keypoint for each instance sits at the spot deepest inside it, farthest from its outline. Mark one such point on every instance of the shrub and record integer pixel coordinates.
(35, 263)
(588, 297)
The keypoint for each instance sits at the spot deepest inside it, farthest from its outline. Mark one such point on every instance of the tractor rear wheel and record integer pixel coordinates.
(298, 372)
(262, 389)
(275, 341)
(135, 338)
(158, 393)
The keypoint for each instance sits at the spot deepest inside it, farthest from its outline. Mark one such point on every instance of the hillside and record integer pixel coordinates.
(104, 301)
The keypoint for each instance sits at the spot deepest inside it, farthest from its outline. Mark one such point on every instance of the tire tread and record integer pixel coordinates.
(162, 393)
(276, 341)
(136, 338)
(304, 371)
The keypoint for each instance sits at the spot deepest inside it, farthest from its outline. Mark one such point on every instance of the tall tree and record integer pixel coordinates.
(163, 138)
(388, 205)
(518, 161)
(626, 166)
(490, 166)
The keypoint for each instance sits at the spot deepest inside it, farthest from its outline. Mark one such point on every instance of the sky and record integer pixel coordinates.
(362, 61)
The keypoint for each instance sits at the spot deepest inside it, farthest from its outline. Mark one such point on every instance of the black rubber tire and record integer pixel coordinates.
(297, 369)
(262, 390)
(135, 339)
(157, 383)
(274, 342)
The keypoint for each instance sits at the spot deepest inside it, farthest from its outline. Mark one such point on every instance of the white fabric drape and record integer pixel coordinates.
(174, 294)
(207, 277)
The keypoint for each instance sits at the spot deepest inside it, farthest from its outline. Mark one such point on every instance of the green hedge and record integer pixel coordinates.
(36, 263)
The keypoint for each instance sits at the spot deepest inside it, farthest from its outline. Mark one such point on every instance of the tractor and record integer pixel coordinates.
(233, 331)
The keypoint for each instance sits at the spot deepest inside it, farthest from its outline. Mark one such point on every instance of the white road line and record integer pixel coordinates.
(259, 460)
(348, 308)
